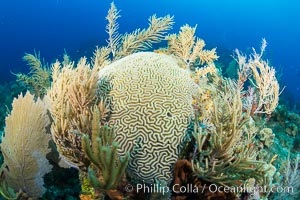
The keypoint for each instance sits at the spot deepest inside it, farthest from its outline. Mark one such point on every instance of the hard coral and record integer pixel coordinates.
(151, 109)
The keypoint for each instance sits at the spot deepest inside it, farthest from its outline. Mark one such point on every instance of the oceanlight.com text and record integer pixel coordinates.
(213, 188)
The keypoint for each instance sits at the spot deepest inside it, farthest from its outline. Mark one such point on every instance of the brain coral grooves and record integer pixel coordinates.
(151, 108)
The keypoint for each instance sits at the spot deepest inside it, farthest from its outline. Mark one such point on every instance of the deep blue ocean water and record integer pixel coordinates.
(50, 26)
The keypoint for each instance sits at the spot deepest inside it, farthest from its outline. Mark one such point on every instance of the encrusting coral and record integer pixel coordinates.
(267, 136)
(25, 146)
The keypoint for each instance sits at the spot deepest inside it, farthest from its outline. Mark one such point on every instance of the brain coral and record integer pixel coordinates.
(151, 109)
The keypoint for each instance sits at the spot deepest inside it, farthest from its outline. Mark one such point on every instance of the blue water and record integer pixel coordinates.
(50, 26)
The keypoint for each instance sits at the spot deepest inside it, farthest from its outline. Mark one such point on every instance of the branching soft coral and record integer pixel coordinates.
(226, 154)
(101, 150)
(262, 77)
(112, 29)
(121, 45)
(38, 80)
(73, 96)
(101, 58)
(140, 40)
(188, 48)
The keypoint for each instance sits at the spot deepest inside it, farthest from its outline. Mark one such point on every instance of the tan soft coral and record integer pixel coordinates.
(262, 77)
(121, 45)
(25, 146)
(73, 95)
(226, 153)
(38, 80)
(187, 47)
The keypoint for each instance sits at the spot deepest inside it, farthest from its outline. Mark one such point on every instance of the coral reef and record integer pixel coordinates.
(62, 183)
(285, 122)
(166, 118)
